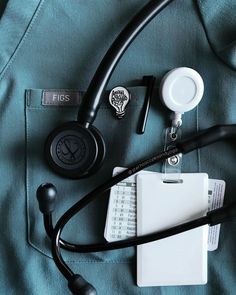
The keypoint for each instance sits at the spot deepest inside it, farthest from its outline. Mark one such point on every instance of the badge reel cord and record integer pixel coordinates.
(92, 141)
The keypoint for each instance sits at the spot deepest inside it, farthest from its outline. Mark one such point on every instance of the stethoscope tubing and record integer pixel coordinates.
(56, 252)
(206, 137)
(92, 97)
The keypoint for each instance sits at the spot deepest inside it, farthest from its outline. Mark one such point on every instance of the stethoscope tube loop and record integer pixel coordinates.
(206, 137)
(56, 253)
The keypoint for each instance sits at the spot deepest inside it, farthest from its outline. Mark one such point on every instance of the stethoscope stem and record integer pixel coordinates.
(48, 225)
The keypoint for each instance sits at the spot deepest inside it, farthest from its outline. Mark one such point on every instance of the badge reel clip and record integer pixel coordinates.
(181, 91)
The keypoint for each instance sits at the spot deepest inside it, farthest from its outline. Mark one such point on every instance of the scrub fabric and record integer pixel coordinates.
(58, 44)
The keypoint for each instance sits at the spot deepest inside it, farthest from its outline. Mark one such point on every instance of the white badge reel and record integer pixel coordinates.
(181, 91)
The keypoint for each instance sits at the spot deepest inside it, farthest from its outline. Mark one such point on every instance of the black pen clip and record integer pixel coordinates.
(149, 82)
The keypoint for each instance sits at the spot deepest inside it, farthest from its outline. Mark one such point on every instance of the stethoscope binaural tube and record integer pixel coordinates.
(223, 214)
(92, 97)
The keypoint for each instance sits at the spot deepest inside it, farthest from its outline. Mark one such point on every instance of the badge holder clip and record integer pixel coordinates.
(171, 168)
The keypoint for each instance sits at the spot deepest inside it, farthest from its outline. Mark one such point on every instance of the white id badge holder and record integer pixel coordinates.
(180, 259)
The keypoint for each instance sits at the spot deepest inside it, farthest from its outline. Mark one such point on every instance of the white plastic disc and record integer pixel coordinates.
(182, 89)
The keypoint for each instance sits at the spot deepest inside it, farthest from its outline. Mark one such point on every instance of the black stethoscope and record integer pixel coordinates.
(91, 153)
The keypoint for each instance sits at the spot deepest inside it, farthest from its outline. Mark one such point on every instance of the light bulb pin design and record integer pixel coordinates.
(119, 98)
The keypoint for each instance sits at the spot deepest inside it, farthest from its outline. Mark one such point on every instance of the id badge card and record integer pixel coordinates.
(180, 259)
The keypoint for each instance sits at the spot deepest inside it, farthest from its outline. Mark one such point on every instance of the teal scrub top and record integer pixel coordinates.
(58, 44)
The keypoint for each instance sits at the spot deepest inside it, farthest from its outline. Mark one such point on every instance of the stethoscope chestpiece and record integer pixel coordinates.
(74, 151)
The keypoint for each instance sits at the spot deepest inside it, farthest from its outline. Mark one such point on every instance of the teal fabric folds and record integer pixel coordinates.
(58, 44)
(14, 25)
(219, 20)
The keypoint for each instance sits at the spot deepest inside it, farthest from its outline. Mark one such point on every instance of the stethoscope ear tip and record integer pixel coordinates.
(79, 286)
(46, 196)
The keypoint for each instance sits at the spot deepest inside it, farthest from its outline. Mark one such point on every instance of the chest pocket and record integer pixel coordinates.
(124, 147)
